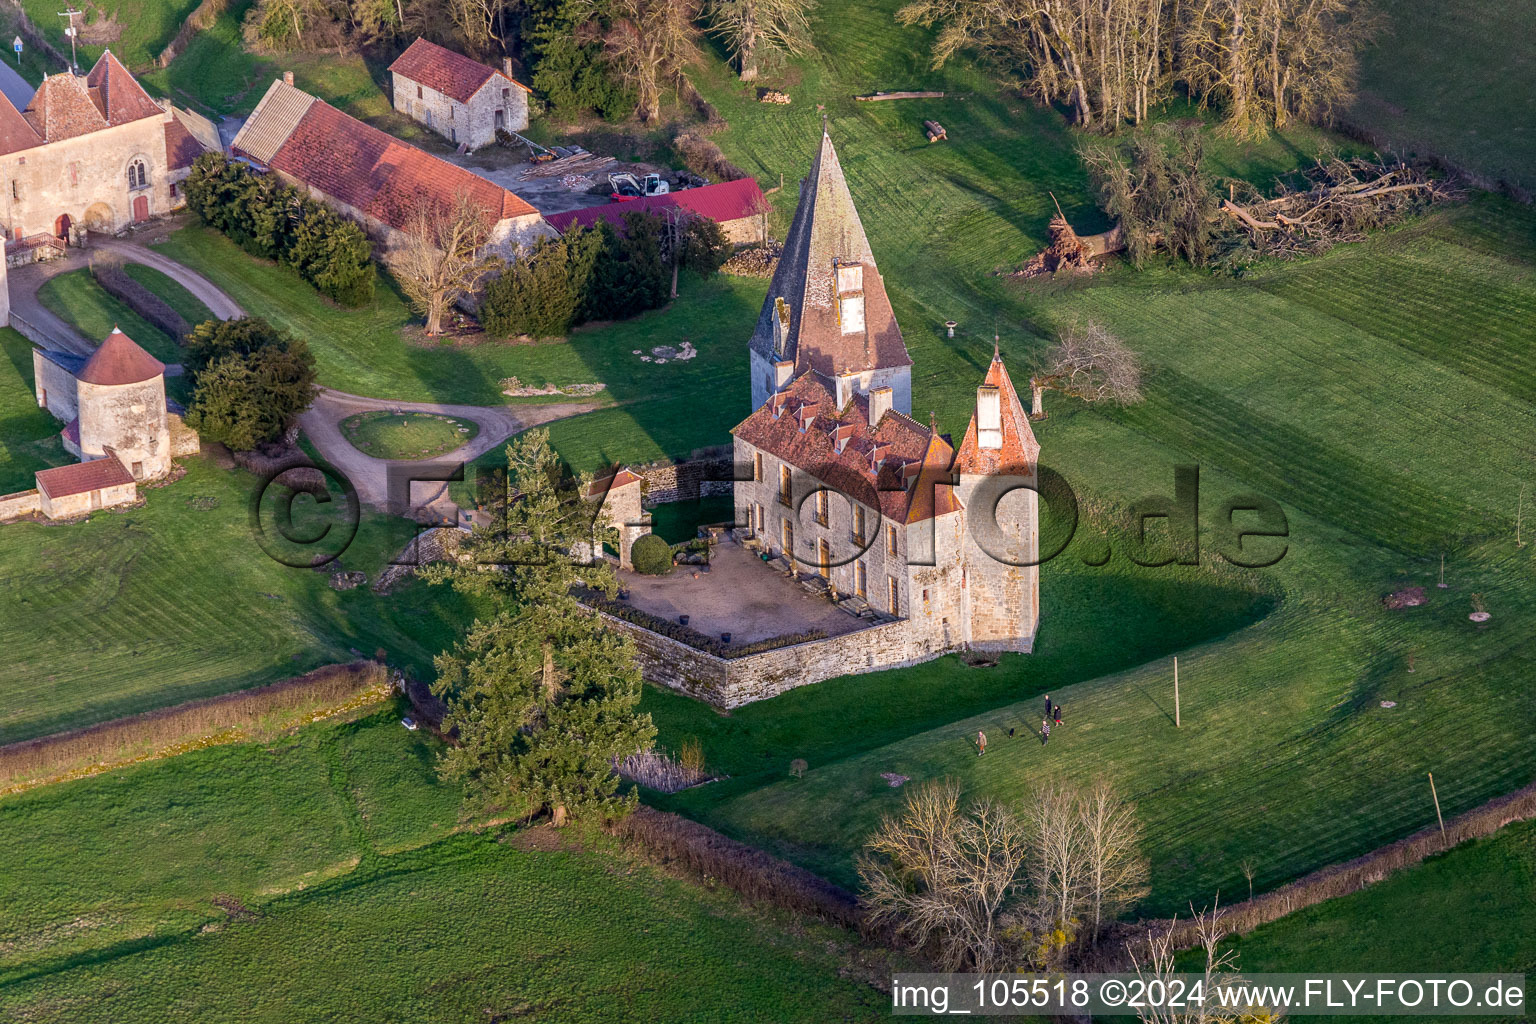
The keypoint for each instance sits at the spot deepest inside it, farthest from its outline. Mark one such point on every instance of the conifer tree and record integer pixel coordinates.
(543, 697)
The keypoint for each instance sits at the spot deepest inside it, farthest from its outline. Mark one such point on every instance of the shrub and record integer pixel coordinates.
(115, 281)
(651, 555)
(534, 296)
(269, 219)
(249, 381)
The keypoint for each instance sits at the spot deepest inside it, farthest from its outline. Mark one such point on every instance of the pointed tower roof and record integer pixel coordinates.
(16, 132)
(826, 233)
(1017, 451)
(117, 94)
(120, 360)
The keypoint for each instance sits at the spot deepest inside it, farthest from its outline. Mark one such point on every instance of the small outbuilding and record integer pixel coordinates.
(464, 101)
(85, 487)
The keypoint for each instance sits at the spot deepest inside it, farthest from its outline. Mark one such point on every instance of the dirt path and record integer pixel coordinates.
(322, 424)
(218, 303)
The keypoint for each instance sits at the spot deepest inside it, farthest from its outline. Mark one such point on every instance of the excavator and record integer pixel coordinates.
(626, 187)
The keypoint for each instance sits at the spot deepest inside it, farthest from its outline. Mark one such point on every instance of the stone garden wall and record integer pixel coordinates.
(19, 504)
(705, 474)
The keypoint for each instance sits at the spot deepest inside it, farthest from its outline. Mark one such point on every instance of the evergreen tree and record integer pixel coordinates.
(543, 696)
(534, 296)
(249, 381)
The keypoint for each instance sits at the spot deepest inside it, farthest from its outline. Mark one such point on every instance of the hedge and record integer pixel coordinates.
(114, 280)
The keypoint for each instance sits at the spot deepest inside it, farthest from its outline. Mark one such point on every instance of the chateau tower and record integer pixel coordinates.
(827, 309)
(121, 407)
(1001, 548)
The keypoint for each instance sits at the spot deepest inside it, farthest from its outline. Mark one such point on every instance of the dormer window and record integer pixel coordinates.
(780, 325)
(850, 297)
(989, 417)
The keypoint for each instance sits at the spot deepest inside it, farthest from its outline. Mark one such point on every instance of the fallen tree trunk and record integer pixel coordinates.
(875, 97)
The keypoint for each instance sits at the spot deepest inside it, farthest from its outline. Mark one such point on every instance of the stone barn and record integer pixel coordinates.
(76, 490)
(462, 100)
(368, 175)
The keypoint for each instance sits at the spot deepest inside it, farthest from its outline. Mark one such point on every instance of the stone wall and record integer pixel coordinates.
(19, 504)
(472, 123)
(708, 473)
(184, 440)
(55, 387)
(731, 682)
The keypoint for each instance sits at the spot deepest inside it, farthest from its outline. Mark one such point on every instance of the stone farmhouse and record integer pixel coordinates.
(118, 422)
(739, 207)
(464, 101)
(368, 175)
(89, 152)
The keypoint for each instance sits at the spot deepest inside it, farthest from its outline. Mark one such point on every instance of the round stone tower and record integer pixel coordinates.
(121, 397)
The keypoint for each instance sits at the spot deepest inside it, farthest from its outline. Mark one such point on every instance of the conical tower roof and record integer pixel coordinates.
(826, 234)
(1017, 451)
(119, 360)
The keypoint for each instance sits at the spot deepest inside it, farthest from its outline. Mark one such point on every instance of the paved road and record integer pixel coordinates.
(322, 424)
(58, 333)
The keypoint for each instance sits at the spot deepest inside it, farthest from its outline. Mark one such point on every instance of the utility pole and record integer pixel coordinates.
(71, 31)
(1436, 797)
(1176, 692)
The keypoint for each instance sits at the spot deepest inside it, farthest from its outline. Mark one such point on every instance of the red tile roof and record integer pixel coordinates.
(450, 73)
(378, 174)
(181, 147)
(16, 132)
(602, 485)
(83, 477)
(71, 432)
(827, 232)
(120, 360)
(62, 108)
(898, 467)
(1019, 450)
(726, 201)
(117, 94)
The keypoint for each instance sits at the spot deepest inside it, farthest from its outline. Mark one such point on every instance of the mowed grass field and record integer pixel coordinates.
(325, 877)
(29, 437)
(1446, 78)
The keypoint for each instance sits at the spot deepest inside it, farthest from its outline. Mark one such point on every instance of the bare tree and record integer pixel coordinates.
(1156, 963)
(942, 874)
(747, 27)
(1091, 364)
(648, 42)
(1117, 871)
(1058, 871)
(1247, 866)
(444, 256)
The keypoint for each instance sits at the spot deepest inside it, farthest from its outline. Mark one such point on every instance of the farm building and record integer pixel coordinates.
(739, 207)
(368, 175)
(464, 101)
(89, 151)
(85, 487)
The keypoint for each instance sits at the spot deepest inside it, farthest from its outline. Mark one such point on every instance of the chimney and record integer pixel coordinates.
(879, 404)
(506, 66)
(844, 387)
(287, 77)
(989, 417)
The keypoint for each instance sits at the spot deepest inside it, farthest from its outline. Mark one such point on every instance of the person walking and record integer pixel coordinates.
(1045, 731)
(981, 743)
(1047, 705)
(1058, 714)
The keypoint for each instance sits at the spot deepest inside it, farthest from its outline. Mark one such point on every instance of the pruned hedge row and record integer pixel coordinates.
(115, 281)
(269, 219)
(228, 718)
(674, 841)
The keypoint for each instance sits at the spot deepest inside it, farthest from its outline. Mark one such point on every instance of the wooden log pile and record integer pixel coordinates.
(576, 163)
(935, 131)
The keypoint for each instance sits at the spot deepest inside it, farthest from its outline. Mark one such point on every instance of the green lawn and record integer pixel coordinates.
(411, 436)
(29, 437)
(135, 30)
(1442, 80)
(1472, 909)
(317, 878)
(90, 309)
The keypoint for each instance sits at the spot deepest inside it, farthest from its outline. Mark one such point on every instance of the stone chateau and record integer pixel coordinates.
(835, 475)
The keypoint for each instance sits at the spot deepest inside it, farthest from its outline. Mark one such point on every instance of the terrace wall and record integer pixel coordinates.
(21, 503)
(708, 474)
(732, 682)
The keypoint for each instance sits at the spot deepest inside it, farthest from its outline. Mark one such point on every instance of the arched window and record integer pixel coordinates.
(138, 174)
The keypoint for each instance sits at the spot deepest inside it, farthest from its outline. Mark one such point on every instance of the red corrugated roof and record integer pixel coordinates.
(729, 200)
(83, 477)
(378, 174)
(118, 95)
(450, 73)
(120, 360)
